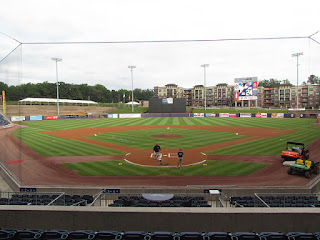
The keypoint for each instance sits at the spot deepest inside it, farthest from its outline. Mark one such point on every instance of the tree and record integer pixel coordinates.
(312, 79)
(271, 83)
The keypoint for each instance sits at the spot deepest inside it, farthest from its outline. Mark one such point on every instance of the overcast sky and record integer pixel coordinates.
(157, 64)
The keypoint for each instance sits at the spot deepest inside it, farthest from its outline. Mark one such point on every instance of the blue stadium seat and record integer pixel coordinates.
(273, 236)
(108, 235)
(191, 236)
(7, 233)
(163, 236)
(301, 236)
(245, 236)
(28, 234)
(136, 235)
(81, 234)
(55, 235)
(219, 236)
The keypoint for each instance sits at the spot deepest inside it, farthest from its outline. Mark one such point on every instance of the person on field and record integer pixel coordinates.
(180, 158)
(157, 152)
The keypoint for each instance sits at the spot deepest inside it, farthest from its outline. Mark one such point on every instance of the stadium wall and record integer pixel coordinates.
(164, 219)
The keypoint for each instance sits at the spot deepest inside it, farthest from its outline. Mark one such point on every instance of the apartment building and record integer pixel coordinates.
(168, 91)
(285, 96)
(222, 95)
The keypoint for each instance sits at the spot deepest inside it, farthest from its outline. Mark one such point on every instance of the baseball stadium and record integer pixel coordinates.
(83, 169)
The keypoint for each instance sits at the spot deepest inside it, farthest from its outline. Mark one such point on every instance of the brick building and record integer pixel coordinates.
(222, 95)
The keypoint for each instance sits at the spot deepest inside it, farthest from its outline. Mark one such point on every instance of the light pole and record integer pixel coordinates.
(57, 60)
(131, 68)
(297, 55)
(205, 87)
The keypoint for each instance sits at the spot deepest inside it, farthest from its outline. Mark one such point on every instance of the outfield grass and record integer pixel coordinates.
(213, 168)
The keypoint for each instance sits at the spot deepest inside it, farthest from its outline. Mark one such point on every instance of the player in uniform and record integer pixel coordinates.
(180, 158)
(157, 152)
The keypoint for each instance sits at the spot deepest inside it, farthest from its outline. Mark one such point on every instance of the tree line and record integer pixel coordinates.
(97, 93)
(274, 83)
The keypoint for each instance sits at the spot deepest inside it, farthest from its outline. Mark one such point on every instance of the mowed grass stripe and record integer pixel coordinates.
(213, 168)
(63, 147)
(145, 139)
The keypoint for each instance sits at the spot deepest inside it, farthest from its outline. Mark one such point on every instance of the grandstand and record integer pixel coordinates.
(4, 121)
(141, 235)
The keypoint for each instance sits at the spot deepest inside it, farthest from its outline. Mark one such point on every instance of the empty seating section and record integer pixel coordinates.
(46, 199)
(3, 121)
(275, 201)
(176, 201)
(141, 235)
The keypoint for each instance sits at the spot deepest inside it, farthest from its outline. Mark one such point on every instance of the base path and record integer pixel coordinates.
(34, 169)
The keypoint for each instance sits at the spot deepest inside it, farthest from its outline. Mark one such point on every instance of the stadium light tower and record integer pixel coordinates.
(297, 55)
(131, 69)
(57, 60)
(205, 87)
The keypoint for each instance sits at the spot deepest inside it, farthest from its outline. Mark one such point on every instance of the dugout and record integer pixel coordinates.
(167, 105)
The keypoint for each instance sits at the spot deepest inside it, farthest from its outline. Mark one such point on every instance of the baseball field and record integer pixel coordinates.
(225, 151)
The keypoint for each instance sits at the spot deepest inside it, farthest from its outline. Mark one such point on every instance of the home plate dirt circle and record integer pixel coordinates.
(169, 158)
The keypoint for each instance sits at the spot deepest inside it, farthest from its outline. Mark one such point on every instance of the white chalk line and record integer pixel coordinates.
(142, 165)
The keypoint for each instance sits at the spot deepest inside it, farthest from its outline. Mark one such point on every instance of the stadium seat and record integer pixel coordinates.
(273, 236)
(163, 236)
(28, 234)
(7, 233)
(81, 234)
(301, 236)
(108, 235)
(136, 235)
(245, 236)
(191, 236)
(55, 235)
(219, 236)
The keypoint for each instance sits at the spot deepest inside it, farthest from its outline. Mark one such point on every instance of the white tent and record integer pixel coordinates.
(134, 103)
(53, 100)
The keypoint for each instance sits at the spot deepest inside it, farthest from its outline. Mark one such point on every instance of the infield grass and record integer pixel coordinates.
(213, 168)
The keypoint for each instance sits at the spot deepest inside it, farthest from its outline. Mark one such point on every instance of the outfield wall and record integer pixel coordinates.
(147, 115)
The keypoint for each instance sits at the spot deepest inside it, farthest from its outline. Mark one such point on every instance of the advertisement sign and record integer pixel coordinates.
(212, 114)
(18, 118)
(302, 115)
(133, 115)
(112, 116)
(277, 115)
(245, 115)
(167, 100)
(224, 114)
(198, 114)
(261, 115)
(35, 118)
(52, 117)
(232, 115)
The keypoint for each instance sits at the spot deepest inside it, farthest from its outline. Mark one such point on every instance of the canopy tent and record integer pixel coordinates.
(134, 103)
(53, 100)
